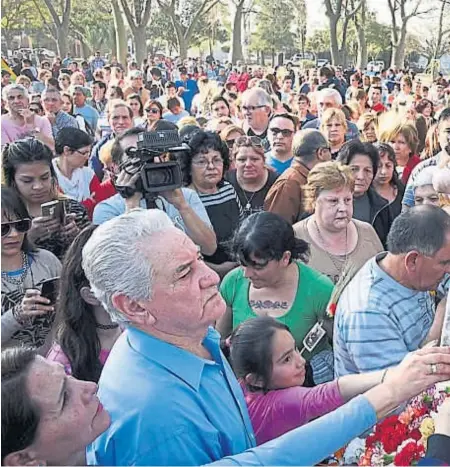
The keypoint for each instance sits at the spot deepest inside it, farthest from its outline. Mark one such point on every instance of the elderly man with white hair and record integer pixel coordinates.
(257, 108)
(171, 395)
(331, 99)
(20, 121)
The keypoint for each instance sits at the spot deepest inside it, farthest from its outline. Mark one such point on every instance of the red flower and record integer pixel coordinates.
(415, 434)
(332, 309)
(411, 452)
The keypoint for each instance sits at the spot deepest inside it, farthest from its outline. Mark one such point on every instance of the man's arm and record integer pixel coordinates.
(284, 199)
(436, 327)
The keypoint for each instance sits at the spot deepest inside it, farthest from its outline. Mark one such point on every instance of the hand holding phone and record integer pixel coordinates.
(55, 210)
(50, 289)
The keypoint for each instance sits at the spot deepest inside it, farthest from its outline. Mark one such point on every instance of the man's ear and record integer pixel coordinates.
(252, 380)
(24, 457)
(412, 261)
(135, 311)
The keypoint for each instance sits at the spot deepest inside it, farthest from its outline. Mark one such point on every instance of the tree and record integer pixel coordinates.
(15, 15)
(300, 23)
(138, 17)
(237, 12)
(360, 24)
(401, 13)
(184, 16)
(120, 32)
(273, 32)
(336, 11)
(56, 18)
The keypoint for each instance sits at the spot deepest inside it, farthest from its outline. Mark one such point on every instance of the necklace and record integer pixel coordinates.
(339, 268)
(106, 327)
(20, 280)
(248, 206)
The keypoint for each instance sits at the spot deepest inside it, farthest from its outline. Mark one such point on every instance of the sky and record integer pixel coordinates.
(317, 18)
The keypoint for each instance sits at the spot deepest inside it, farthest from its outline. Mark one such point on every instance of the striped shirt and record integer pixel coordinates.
(378, 321)
(225, 212)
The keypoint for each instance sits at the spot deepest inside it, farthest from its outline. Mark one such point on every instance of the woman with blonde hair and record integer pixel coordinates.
(229, 135)
(404, 139)
(338, 242)
(334, 127)
(368, 127)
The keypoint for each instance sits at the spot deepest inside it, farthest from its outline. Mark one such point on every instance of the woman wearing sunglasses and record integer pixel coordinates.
(28, 168)
(26, 315)
(251, 178)
(153, 112)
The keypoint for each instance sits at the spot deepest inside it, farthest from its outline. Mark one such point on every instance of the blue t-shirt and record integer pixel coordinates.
(115, 206)
(277, 165)
(190, 90)
(170, 117)
(89, 114)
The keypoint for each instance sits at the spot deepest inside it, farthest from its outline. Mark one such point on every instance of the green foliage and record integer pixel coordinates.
(273, 32)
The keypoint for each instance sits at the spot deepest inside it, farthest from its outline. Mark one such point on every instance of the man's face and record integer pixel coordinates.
(281, 133)
(220, 109)
(52, 102)
(430, 270)
(79, 98)
(185, 298)
(120, 120)
(444, 135)
(71, 415)
(6, 80)
(73, 67)
(325, 103)
(136, 83)
(16, 101)
(255, 114)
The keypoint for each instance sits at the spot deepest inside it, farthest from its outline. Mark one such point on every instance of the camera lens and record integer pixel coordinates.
(159, 177)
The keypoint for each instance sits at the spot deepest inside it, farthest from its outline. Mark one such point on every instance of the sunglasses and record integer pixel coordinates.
(152, 111)
(21, 226)
(249, 141)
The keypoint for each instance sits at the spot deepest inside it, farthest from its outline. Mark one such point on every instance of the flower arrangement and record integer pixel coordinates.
(399, 439)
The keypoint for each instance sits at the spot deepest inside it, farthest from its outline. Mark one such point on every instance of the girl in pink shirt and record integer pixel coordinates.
(272, 372)
(84, 332)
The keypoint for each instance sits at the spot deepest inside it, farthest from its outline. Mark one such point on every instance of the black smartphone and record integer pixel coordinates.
(50, 289)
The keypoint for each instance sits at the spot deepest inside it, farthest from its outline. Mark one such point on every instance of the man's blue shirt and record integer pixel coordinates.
(168, 406)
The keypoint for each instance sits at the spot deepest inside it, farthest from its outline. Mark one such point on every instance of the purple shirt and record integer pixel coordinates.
(282, 410)
(12, 132)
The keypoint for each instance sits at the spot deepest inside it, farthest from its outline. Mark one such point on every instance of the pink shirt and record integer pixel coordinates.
(12, 132)
(56, 354)
(282, 410)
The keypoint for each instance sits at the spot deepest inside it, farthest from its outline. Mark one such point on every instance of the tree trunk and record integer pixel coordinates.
(182, 47)
(262, 58)
(85, 48)
(61, 37)
(140, 43)
(334, 49)
(120, 35)
(236, 52)
(361, 62)
(398, 55)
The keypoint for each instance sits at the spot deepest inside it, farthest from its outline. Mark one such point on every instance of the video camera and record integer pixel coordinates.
(158, 176)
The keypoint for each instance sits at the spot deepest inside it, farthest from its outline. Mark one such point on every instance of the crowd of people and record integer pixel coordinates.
(281, 291)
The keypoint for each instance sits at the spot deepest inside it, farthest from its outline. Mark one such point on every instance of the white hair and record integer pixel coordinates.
(14, 87)
(425, 176)
(113, 260)
(330, 93)
(261, 95)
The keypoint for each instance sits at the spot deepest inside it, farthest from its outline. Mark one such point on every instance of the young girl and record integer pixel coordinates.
(271, 371)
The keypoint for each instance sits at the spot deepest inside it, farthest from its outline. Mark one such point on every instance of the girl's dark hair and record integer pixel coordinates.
(75, 329)
(73, 138)
(66, 94)
(24, 151)
(156, 104)
(14, 207)
(422, 104)
(137, 97)
(20, 416)
(384, 148)
(200, 142)
(354, 147)
(267, 236)
(117, 90)
(250, 350)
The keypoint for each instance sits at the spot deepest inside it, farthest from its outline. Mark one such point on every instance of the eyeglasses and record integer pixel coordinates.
(203, 163)
(21, 226)
(84, 154)
(230, 143)
(249, 141)
(285, 132)
(152, 111)
(251, 108)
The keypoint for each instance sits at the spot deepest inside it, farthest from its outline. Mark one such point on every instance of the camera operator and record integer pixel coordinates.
(182, 205)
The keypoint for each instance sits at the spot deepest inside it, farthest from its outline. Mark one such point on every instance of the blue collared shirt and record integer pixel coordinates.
(168, 406)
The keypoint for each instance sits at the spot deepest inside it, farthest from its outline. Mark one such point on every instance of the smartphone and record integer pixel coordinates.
(55, 209)
(50, 289)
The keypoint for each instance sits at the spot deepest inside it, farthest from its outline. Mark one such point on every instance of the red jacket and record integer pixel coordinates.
(413, 161)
